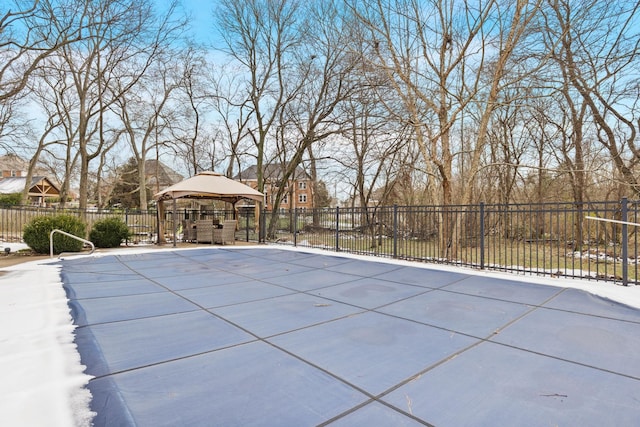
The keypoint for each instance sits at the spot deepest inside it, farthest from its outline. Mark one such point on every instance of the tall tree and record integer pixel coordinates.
(120, 42)
(597, 46)
(444, 57)
(233, 119)
(146, 112)
(260, 36)
(28, 35)
(320, 70)
(52, 93)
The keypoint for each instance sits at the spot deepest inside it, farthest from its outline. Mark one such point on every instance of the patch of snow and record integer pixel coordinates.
(42, 378)
(13, 247)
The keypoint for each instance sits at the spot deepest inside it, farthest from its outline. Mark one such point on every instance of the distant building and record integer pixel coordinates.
(160, 176)
(13, 173)
(40, 190)
(12, 166)
(122, 189)
(299, 191)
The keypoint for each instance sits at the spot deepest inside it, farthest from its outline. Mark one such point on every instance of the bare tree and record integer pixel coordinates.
(260, 36)
(143, 112)
(120, 42)
(53, 93)
(193, 137)
(28, 35)
(597, 47)
(233, 115)
(14, 127)
(369, 152)
(321, 67)
(374, 156)
(107, 165)
(508, 143)
(444, 57)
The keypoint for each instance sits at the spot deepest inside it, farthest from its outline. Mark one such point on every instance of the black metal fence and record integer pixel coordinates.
(594, 240)
(142, 224)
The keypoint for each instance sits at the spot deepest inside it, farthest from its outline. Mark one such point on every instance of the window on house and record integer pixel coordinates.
(302, 185)
(302, 198)
(285, 199)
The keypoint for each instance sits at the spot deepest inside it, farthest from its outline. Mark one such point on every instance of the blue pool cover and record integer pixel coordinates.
(265, 336)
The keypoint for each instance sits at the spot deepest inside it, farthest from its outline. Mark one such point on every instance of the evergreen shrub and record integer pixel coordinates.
(109, 233)
(13, 199)
(36, 233)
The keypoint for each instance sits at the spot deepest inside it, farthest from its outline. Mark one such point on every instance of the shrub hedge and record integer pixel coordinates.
(109, 233)
(36, 233)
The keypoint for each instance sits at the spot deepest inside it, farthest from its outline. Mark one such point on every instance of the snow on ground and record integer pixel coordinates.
(42, 378)
(43, 383)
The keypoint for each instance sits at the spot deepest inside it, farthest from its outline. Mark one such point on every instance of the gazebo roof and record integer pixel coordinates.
(209, 185)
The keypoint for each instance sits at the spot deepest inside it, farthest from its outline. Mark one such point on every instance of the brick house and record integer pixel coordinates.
(12, 166)
(299, 191)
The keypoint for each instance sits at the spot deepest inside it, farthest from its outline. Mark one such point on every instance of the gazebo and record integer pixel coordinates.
(205, 185)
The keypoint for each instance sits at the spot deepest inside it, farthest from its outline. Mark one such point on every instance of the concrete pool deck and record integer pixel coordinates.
(271, 336)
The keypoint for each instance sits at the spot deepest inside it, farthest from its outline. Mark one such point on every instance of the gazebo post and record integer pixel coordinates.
(256, 214)
(174, 216)
(160, 240)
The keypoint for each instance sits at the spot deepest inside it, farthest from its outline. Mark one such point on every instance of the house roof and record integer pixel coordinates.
(271, 171)
(13, 162)
(160, 174)
(16, 185)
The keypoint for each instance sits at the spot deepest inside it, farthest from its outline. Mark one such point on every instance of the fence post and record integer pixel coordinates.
(295, 227)
(482, 235)
(395, 231)
(126, 221)
(624, 208)
(246, 225)
(337, 228)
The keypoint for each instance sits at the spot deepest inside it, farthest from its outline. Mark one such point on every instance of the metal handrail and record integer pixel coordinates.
(93, 248)
(614, 221)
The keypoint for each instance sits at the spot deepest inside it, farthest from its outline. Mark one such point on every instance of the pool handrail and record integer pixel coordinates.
(93, 248)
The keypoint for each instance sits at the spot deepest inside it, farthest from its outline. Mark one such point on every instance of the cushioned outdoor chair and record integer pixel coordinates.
(204, 230)
(188, 231)
(226, 234)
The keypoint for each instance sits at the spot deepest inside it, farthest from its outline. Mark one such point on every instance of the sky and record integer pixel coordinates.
(201, 19)
(43, 383)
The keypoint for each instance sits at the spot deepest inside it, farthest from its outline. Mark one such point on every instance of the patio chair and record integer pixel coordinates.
(204, 231)
(188, 231)
(226, 234)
